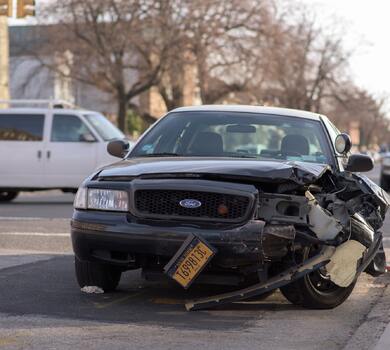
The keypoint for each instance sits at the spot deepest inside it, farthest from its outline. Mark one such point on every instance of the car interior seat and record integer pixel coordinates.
(206, 142)
(294, 145)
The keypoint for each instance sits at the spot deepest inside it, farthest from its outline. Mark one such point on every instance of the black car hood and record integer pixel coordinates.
(269, 170)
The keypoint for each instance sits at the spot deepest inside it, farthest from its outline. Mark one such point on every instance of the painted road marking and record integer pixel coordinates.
(36, 234)
(25, 218)
(103, 305)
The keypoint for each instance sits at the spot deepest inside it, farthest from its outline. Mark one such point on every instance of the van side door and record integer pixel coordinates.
(71, 151)
(21, 150)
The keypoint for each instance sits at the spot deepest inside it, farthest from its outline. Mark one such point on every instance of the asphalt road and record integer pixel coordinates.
(47, 204)
(41, 306)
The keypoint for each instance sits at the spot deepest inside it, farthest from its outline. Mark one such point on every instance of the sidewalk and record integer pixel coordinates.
(384, 341)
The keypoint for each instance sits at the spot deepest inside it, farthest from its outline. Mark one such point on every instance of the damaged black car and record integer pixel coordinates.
(255, 197)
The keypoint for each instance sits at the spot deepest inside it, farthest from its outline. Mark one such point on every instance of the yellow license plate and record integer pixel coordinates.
(190, 260)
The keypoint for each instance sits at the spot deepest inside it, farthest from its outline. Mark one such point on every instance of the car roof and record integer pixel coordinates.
(43, 110)
(250, 109)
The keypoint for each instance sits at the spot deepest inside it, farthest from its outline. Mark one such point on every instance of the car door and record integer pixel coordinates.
(21, 150)
(71, 152)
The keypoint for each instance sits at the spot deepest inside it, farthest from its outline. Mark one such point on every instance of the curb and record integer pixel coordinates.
(370, 334)
(384, 341)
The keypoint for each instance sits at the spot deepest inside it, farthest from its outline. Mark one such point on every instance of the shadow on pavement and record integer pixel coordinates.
(49, 288)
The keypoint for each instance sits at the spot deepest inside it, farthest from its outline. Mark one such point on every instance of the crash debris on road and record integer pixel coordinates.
(92, 290)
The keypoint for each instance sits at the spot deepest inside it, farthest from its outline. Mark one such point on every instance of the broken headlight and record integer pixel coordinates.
(101, 199)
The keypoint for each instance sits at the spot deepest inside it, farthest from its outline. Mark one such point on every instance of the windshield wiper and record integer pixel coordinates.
(168, 154)
(244, 156)
(162, 154)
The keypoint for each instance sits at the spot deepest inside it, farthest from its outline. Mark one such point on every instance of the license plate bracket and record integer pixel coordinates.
(190, 260)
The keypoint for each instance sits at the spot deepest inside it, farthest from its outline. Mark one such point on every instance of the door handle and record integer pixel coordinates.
(39, 154)
(48, 154)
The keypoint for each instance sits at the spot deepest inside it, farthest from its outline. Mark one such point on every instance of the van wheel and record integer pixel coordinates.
(316, 290)
(8, 196)
(96, 274)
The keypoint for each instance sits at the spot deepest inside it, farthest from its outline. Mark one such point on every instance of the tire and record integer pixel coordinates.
(384, 183)
(315, 291)
(104, 276)
(8, 196)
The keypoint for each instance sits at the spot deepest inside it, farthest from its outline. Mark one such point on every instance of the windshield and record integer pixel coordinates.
(237, 135)
(104, 127)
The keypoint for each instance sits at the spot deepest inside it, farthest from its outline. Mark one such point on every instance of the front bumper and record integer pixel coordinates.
(94, 232)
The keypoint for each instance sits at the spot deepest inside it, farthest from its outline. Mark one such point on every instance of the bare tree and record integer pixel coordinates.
(245, 51)
(304, 63)
(118, 46)
(217, 41)
(354, 104)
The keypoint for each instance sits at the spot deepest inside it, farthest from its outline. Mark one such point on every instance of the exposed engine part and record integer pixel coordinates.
(303, 236)
(322, 223)
(342, 268)
(279, 208)
(361, 231)
(275, 240)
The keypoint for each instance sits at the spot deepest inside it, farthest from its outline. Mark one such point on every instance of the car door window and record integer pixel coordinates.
(68, 128)
(332, 130)
(21, 127)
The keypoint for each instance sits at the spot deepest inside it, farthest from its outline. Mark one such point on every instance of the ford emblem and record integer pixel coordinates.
(190, 203)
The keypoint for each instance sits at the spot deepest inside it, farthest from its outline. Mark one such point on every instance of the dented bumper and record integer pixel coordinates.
(99, 236)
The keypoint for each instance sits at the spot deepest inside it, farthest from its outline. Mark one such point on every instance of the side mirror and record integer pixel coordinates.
(87, 137)
(359, 163)
(343, 143)
(118, 148)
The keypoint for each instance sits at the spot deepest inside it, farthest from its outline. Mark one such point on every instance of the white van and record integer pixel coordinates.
(51, 148)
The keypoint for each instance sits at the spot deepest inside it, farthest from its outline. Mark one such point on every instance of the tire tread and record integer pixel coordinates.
(96, 274)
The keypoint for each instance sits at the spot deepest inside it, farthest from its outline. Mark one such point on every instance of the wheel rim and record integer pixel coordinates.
(322, 283)
(318, 280)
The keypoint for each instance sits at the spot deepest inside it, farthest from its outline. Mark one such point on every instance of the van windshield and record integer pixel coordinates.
(104, 127)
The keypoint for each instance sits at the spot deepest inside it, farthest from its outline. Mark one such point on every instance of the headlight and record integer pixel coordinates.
(93, 198)
(107, 200)
(386, 161)
(80, 200)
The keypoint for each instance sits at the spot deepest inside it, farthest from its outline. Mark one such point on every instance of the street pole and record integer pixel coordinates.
(4, 59)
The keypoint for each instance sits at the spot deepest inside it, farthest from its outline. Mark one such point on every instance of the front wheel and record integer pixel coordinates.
(316, 290)
(8, 196)
(96, 274)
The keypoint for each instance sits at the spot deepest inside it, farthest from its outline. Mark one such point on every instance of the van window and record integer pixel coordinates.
(104, 127)
(21, 127)
(68, 128)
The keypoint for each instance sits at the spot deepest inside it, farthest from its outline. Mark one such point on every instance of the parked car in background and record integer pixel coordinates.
(51, 148)
(385, 171)
(243, 195)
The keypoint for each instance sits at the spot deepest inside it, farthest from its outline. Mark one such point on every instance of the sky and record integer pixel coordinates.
(367, 32)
